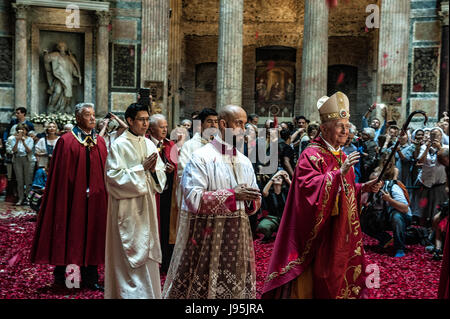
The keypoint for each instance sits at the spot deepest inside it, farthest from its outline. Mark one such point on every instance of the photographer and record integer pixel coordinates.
(109, 130)
(432, 178)
(274, 202)
(391, 205)
(20, 146)
(46, 145)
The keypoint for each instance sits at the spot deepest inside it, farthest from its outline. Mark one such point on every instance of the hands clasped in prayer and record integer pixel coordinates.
(243, 192)
(150, 162)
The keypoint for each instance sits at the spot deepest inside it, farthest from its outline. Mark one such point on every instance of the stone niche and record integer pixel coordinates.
(48, 27)
(48, 41)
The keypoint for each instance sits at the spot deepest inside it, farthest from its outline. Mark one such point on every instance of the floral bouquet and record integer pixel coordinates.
(60, 119)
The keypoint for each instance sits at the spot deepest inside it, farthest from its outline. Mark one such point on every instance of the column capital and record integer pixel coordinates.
(103, 18)
(21, 10)
(443, 13)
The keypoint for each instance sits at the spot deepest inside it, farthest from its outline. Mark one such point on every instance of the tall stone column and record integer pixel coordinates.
(393, 52)
(103, 20)
(315, 58)
(229, 61)
(155, 46)
(444, 78)
(175, 43)
(20, 56)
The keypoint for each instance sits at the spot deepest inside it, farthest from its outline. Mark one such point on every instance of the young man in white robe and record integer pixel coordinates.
(209, 126)
(214, 255)
(134, 172)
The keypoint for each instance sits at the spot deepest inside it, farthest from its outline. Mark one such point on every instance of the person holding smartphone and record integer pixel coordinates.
(20, 145)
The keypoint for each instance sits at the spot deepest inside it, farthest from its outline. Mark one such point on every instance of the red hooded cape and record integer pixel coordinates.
(310, 235)
(71, 228)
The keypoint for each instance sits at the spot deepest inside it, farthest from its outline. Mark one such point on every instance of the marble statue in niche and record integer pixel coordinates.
(61, 68)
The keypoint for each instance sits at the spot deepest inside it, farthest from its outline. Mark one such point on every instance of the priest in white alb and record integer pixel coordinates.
(209, 126)
(214, 255)
(134, 173)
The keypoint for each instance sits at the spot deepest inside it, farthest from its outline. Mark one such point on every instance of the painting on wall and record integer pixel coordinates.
(123, 73)
(275, 81)
(6, 60)
(425, 70)
(391, 93)
(275, 88)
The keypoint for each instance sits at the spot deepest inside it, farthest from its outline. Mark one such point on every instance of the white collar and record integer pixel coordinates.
(155, 141)
(330, 147)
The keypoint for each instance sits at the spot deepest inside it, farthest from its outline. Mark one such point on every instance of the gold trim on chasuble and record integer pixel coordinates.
(88, 140)
(308, 245)
(354, 224)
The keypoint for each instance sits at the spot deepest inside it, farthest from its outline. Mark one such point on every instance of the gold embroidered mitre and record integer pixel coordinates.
(334, 107)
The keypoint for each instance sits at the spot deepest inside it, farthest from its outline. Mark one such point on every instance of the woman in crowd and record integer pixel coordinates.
(20, 145)
(274, 201)
(432, 178)
(110, 128)
(46, 145)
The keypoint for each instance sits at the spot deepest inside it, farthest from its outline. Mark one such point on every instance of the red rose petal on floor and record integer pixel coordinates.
(13, 260)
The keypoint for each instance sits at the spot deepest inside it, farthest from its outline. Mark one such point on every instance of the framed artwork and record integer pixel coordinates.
(124, 63)
(6, 60)
(391, 93)
(275, 88)
(425, 70)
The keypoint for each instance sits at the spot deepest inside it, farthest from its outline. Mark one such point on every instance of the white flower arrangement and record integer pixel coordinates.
(60, 119)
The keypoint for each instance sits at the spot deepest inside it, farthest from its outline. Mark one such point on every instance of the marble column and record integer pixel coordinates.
(229, 61)
(444, 77)
(20, 56)
(314, 58)
(103, 20)
(155, 48)
(393, 50)
(175, 51)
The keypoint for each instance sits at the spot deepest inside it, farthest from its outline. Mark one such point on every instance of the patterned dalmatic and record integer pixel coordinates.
(214, 255)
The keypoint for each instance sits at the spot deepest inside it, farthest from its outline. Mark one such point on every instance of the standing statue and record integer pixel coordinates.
(61, 66)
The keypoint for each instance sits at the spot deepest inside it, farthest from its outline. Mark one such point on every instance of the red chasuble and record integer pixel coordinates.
(169, 153)
(71, 227)
(320, 233)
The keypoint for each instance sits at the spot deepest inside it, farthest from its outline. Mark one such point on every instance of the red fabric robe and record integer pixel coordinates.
(71, 228)
(445, 269)
(170, 151)
(315, 232)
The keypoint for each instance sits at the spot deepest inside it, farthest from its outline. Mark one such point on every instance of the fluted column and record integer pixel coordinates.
(103, 20)
(314, 58)
(20, 56)
(444, 74)
(155, 45)
(175, 41)
(229, 61)
(393, 51)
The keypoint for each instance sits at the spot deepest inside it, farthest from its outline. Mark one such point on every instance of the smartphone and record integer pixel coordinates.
(108, 116)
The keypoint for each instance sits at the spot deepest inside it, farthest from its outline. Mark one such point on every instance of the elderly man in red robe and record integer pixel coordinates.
(166, 201)
(319, 251)
(71, 225)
